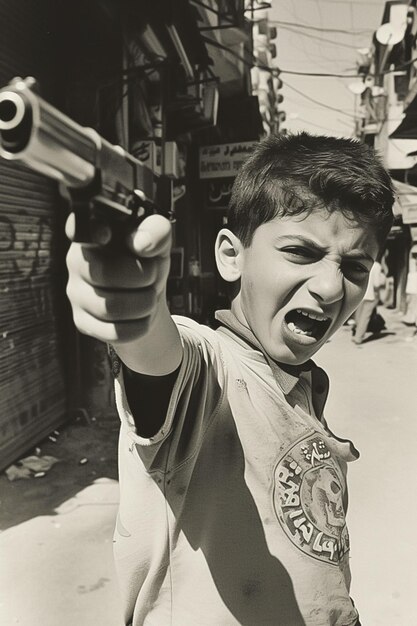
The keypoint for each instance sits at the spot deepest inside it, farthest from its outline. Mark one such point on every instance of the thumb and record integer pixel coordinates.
(152, 237)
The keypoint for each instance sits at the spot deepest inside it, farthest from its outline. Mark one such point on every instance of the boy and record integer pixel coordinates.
(233, 492)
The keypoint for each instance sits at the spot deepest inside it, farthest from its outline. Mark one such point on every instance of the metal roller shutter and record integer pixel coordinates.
(32, 382)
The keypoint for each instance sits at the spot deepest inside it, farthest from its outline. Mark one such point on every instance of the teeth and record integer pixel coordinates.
(297, 330)
(317, 316)
(314, 316)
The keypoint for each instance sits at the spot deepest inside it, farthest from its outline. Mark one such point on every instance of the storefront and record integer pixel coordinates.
(33, 391)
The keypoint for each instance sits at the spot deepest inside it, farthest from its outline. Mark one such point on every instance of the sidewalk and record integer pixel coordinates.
(56, 562)
(373, 401)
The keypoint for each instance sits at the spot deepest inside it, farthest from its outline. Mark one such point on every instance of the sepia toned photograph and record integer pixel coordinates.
(208, 306)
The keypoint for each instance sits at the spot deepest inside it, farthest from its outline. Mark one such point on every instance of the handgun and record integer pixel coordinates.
(102, 181)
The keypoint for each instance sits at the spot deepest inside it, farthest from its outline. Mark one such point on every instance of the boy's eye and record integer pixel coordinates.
(354, 270)
(301, 253)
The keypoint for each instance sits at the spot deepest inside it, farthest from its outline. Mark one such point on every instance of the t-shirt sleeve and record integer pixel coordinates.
(195, 398)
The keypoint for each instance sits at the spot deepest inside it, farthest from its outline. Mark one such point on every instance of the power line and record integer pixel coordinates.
(374, 4)
(317, 74)
(321, 39)
(278, 70)
(270, 69)
(296, 101)
(326, 106)
(273, 70)
(375, 75)
(301, 119)
(322, 30)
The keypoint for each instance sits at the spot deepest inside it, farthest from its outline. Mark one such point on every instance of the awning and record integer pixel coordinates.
(408, 127)
(406, 202)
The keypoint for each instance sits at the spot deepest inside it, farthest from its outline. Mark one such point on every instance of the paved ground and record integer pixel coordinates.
(56, 542)
(373, 401)
(56, 564)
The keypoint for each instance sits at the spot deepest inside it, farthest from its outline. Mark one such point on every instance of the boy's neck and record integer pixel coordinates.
(231, 320)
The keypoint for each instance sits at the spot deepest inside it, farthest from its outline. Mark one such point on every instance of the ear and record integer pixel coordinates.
(228, 251)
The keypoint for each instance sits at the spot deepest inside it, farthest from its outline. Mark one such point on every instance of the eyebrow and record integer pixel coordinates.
(313, 244)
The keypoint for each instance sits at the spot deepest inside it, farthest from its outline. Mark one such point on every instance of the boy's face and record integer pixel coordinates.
(301, 278)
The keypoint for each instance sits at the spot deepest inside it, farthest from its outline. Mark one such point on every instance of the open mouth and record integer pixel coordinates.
(307, 323)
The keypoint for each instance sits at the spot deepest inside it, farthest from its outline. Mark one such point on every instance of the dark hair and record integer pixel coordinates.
(296, 173)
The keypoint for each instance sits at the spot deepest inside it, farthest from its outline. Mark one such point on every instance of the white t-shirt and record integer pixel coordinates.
(234, 512)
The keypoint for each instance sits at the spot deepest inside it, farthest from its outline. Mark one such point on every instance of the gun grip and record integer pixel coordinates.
(99, 225)
(87, 224)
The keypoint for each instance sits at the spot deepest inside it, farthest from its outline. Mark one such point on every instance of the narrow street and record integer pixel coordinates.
(136, 138)
(373, 401)
(56, 558)
(56, 540)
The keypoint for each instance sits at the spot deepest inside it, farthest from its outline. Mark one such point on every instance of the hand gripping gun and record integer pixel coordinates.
(103, 181)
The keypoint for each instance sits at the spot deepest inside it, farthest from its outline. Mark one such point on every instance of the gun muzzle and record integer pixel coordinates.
(41, 137)
(12, 110)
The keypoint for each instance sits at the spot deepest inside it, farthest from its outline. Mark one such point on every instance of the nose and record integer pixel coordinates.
(327, 283)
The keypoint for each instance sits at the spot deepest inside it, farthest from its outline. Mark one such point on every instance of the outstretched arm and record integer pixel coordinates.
(119, 296)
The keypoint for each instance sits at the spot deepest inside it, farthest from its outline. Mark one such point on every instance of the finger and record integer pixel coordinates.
(110, 332)
(70, 227)
(111, 306)
(100, 234)
(102, 270)
(152, 237)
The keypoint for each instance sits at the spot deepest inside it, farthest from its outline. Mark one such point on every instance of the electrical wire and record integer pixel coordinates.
(322, 104)
(278, 70)
(320, 58)
(296, 31)
(301, 119)
(319, 74)
(320, 29)
(374, 4)
(326, 106)
(316, 103)
(321, 39)
(288, 98)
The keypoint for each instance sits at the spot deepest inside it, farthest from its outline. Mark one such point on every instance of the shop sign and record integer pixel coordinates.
(150, 153)
(224, 160)
(218, 192)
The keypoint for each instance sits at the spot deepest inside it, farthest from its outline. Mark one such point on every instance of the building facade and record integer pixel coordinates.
(386, 119)
(170, 81)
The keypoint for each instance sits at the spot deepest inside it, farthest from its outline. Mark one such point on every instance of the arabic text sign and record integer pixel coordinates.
(217, 192)
(224, 160)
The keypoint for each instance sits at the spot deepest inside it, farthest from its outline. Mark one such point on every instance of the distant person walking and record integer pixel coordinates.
(410, 318)
(367, 308)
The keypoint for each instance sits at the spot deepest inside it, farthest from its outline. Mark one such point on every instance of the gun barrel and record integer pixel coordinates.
(38, 135)
(41, 137)
(12, 110)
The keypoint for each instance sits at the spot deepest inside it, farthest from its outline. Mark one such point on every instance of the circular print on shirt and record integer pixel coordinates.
(308, 500)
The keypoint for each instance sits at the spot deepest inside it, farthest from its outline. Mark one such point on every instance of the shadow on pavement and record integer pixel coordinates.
(376, 336)
(24, 499)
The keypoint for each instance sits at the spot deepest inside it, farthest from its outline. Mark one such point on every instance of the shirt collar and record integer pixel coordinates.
(287, 376)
